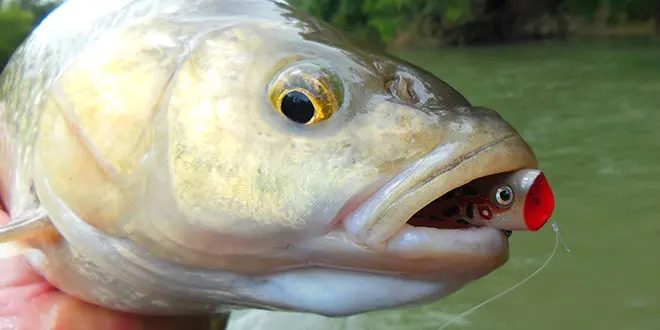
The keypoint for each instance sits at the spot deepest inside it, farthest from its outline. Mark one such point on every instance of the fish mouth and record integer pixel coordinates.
(383, 217)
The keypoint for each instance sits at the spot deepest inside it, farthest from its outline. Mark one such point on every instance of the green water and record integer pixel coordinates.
(591, 111)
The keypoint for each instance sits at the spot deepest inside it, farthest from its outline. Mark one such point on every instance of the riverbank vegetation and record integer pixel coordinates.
(17, 19)
(431, 23)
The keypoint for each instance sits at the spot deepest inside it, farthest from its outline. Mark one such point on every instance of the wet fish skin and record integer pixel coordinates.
(145, 130)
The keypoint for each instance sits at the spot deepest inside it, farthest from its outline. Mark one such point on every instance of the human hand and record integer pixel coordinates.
(28, 302)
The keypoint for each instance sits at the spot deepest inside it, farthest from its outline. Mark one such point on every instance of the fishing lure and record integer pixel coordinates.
(515, 201)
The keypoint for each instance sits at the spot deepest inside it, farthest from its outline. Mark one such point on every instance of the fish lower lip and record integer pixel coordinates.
(377, 219)
(444, 244)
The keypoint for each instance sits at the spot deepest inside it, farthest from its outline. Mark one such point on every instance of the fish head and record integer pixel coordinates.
(276, 149)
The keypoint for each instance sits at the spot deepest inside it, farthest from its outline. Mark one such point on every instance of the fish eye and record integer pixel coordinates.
(504, 196)
(306, 93)
(297, 106)
(402, 88)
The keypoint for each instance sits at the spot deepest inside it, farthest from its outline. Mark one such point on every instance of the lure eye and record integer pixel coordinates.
(306, 93)
(504, 196)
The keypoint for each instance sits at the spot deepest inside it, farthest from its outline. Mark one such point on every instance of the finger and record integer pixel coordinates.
(28, 302)
(39, 307)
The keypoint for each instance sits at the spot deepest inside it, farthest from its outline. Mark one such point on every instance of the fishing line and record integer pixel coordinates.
(558, 240)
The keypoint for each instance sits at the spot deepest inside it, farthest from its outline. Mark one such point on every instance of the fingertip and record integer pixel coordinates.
(15, 272)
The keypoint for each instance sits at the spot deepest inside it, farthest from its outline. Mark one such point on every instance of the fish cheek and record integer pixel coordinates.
(225, 179)
(392, 136)
(232, 171)
(75, 175)
(97, 124)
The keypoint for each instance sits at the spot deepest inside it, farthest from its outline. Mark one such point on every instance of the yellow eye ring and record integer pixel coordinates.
(306, 93)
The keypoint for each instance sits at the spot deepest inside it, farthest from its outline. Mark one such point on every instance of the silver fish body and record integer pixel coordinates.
(195, 156)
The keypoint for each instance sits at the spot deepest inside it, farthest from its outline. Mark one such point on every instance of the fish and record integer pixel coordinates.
(175, 157)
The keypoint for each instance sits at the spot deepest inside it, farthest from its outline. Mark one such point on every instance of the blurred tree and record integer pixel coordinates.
(470, 21)
(641, 9)
(634, 9)
(390, 17)
(497, 21)
(39, 9)
(425, 17)
(15, 24)
(17, 19)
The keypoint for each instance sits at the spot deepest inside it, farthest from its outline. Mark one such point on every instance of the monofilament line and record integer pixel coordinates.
(558, 240)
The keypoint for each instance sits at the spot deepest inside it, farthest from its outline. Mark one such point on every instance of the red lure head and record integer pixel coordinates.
(539, 203)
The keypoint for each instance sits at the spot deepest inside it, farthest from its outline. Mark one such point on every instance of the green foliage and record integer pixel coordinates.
(633, 9)
(637, 9)
(428, 18)
(39, 10)
(348, 15)
(15, 25)
(388, 17)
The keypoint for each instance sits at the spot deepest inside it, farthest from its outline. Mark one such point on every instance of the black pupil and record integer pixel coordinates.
(505, 195)
(298, 107)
